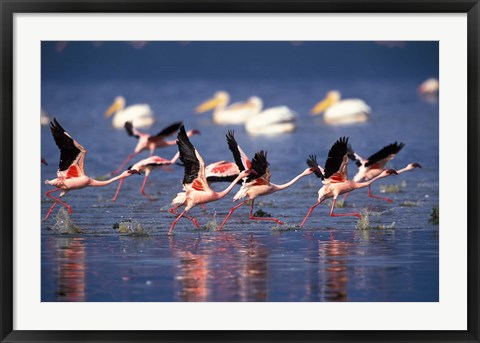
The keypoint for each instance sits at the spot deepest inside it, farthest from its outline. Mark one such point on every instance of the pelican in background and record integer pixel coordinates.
(70, 174)
(272, 121)
(429, 88)
(337, 111)
(141, 115)
(236, 113)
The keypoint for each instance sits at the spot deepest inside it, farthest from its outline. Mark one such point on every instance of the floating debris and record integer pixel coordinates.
(435, 216)
(364, 223)
(64, 223)
(408, 203)
(393, 188)
(286, 227)
(261, 213)
(130, 227)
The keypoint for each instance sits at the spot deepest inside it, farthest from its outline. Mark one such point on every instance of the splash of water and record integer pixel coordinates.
(64, 224)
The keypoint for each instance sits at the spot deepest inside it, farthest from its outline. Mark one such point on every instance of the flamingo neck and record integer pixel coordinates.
(97, 183)
(291, 182)
(407, 168)
(229, 188)
(369, 182)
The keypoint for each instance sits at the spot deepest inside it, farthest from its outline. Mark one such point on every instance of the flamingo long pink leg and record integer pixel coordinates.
(308, 213)
(142, 190)
(129, 157)
(118, 190)
(194, 221)
(180, 216)
(57, 200)
(356, 214)
(376, 196)
(262, 218)
(230, 213)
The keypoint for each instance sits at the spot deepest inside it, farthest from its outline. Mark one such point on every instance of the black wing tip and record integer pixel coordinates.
(129, 127)
(312, 163)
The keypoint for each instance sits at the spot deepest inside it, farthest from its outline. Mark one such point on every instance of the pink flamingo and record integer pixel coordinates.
(147, 165)
(195, 186)
(375, 165)
(258, 182)
(70, 174)
(335, 179)
(151, 142)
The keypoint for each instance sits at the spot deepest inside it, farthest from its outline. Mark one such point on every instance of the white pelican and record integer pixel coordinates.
(44, 118)
(429, 87)
(236, 113)
(141, 115)
(272, 121)
(338, 111)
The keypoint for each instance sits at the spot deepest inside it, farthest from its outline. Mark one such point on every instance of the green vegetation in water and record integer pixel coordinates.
(393, 188)
(364, 223)
(341, 203)
(130, 228)
(261, 213)
(408, 203)
(64, 223)
(286, 227)
(103, 177)
(435, 216)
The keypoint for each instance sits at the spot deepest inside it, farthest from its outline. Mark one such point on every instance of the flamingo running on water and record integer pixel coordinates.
(236, 113)
(334, 177)
(151, 142)
(258, 182)
(195, 186)
(337, 111)
(375, 164)
(70, 174)
(141, 114)
(147, 165)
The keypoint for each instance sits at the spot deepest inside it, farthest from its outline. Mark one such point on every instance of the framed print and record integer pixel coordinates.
(255, 171)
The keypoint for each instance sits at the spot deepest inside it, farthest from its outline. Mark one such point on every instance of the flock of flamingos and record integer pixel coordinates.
(252, 173)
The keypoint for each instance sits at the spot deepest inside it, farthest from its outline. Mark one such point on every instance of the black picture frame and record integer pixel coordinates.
(10, 7)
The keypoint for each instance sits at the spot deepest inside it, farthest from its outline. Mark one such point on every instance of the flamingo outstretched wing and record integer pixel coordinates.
(337, 160)
(168, 131)
(131, 131)
(385, 154)
(312, 163)
(72, 154)
(241, 159)
(260, 168)
(193, 162)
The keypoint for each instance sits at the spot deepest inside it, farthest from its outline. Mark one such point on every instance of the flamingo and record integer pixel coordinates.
(147, 165)
(236, 113)
(258, 182)
(334, 177)
(151, 142)
(141, 114)
(375, 164)
(341, 111)
(70, 174)
(272, 121)
(195, 186)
